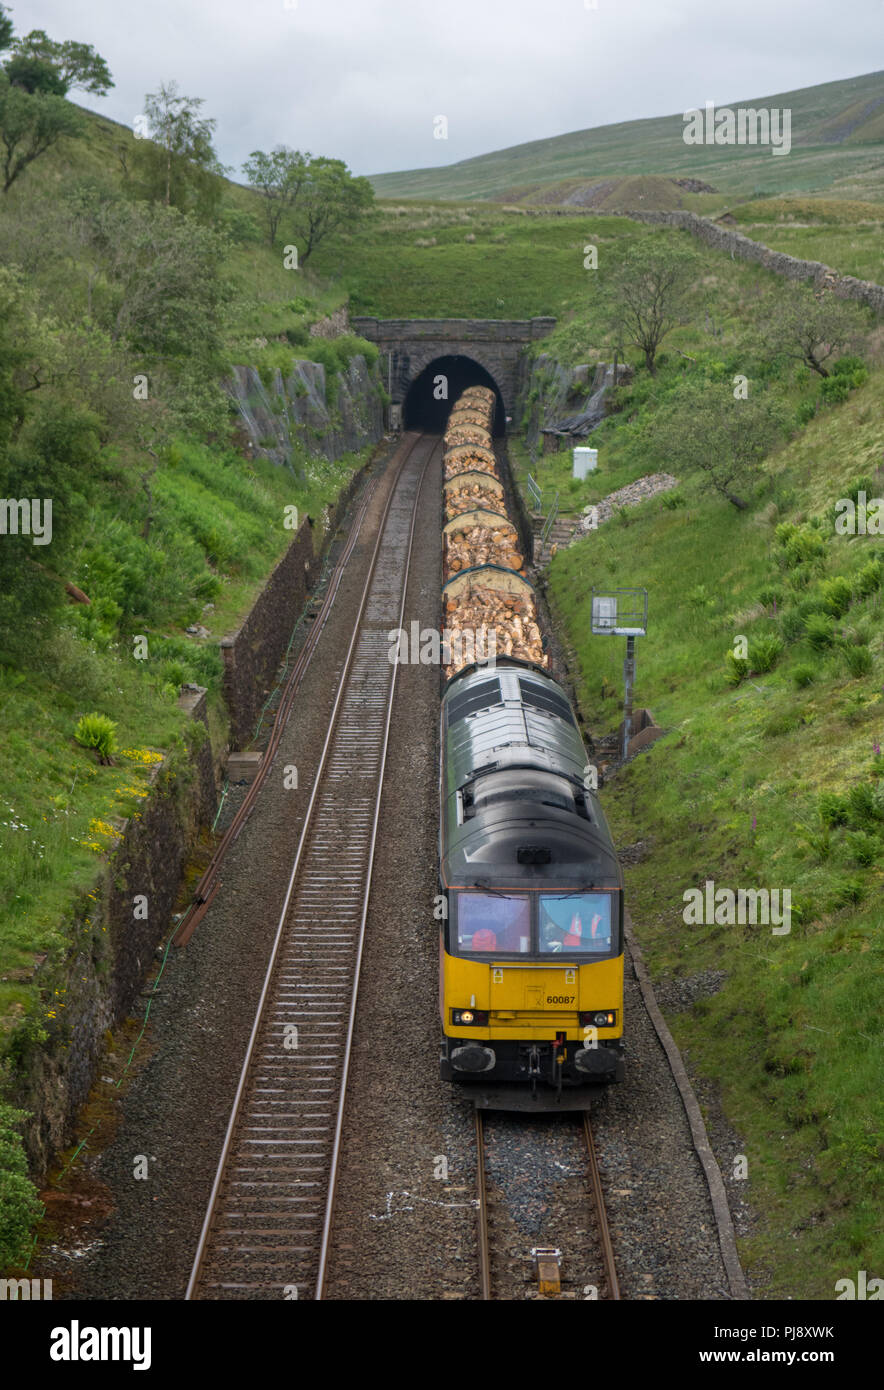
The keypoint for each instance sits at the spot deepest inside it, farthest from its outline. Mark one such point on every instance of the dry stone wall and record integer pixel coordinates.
(735, 244)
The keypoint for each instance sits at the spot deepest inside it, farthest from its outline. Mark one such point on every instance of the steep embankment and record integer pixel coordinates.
(770, 777)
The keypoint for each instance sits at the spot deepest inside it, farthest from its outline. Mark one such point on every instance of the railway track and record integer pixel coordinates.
(268, 1223)
(602, 1275)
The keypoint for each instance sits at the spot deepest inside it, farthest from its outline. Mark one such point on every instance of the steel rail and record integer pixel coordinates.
(482, 1211)
(351, 1022)
(595, 1179)
(207, 885)
(306, 829)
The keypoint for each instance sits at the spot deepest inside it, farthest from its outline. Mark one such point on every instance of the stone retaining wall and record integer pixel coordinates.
(725, 239)
(97, 986)
(252, 654)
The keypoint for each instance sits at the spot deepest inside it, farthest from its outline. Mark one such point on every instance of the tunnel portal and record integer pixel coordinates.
(431, 395)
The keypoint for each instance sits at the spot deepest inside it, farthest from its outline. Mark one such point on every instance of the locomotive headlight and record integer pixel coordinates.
(603, 1018)
(462, 1018)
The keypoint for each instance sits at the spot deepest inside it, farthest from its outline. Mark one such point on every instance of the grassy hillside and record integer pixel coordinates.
(776, 782)
(837, 136)
(770, 774)
(118, 320)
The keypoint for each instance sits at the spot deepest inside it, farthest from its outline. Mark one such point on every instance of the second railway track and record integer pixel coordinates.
(267, 1228)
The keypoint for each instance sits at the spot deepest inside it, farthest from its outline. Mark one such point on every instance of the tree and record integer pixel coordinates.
(330, 198)
(165, 302)
(709, 432)
(647, 291)
(30, 124)
(178, 161)
(73, 65)
(6, 29)
(279, 178)
(810, 326)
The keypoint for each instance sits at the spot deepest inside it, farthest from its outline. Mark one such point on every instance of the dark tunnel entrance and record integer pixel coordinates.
(422, 411)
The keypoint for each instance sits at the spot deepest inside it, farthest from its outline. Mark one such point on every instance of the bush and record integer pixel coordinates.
(98, 732)
(800, 543)
(803, 676)
(770, 597)
(865, 807)
(673, 500)
(834, 390)
(865, 849)
(846, 366)
(858, 660)
(836, 595)
(833, 809)
(847, 892)
(819, 631)
(736, 669)
(764, 652)
(868, 580)
(805, 413)
(20, 1206)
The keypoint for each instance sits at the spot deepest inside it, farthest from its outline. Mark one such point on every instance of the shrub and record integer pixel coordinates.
(858, 660)
(98, 732)
(819, 631)
(800, 543)
(865, 849)
(769, 597)
(868, 580)
(847, 892)
(834, 390)
(865, 807)
(846, 366)
(805, 413)
(673, 500)
(833, 809)
(736, 669)
(836, 595)
(803, 676)
(764, 652)
(19, 1204)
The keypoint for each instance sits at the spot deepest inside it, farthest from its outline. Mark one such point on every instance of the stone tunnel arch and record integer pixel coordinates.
(423, 410)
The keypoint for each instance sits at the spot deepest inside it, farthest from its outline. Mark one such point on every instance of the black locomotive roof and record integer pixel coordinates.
(515, 809)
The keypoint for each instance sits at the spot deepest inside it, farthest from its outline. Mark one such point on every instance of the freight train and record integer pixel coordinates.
(531, 941)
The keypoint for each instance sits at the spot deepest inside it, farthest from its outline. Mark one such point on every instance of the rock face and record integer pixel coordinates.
(568, 402)
(304, 411)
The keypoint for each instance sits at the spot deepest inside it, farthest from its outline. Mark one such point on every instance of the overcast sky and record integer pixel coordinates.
(364, 81)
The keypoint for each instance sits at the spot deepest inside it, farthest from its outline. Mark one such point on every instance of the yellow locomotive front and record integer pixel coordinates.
(532, 944)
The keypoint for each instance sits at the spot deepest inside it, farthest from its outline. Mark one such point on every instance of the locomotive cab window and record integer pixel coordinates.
(488, 922)
(575, 923)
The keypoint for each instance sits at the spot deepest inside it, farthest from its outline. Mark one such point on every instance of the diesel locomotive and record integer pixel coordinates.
(531, 930)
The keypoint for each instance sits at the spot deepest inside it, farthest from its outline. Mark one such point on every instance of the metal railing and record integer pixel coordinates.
(534, 494)
(550, 522)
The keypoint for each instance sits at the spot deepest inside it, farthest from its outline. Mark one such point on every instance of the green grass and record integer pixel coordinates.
(218, 533)
(832, 145)
(733, 793)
